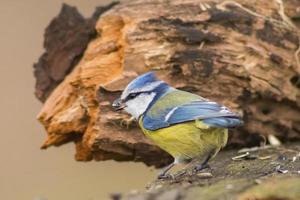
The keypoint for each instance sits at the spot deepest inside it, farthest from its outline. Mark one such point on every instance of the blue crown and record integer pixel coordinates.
(142, 80)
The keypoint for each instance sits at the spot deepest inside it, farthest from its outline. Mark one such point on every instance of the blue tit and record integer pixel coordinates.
(185, 125)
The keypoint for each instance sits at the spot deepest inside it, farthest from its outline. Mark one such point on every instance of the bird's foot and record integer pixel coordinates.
(127, 122)
(163, 174)
(165, 177)
(180, 174)
(200, 167)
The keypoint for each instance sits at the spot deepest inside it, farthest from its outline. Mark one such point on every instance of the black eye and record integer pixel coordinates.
(132, 95)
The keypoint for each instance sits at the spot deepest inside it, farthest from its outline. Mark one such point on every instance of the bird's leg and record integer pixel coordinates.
(203, 165)
(163, 173)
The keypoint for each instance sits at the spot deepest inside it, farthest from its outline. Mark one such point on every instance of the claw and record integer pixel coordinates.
(201, 167)
(163, 174)
(180, 174)
(165, 177)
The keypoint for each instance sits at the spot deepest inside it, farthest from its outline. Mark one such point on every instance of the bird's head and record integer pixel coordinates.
(140, 94)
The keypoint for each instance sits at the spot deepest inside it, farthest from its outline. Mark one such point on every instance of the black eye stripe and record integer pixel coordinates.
(135, 94)
(132, 95)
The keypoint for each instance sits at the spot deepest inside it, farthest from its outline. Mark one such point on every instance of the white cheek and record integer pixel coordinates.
(139, 105)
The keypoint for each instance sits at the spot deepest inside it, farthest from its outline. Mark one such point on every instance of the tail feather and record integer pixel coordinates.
(224, 122)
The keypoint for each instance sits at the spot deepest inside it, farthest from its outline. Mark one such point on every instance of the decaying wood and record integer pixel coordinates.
(265, 174)
(244, 54)
(66, 38)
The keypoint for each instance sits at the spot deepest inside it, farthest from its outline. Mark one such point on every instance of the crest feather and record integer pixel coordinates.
(142, 80)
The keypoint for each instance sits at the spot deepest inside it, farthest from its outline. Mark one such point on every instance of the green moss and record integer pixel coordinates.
(245, 179)
(226, 189)
(275, 188)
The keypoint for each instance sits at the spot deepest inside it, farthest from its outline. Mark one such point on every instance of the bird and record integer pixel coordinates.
(185, 125)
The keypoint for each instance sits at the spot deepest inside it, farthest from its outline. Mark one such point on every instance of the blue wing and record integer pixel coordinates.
(209, 112)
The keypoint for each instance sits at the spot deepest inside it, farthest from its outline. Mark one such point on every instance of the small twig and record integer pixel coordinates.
(264, 157)
(252, 149)
(282, 171)
(239, 157)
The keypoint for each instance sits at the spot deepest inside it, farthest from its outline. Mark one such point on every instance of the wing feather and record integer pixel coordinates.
(209, 112)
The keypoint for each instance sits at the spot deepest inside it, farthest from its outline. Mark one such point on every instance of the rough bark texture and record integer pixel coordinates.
(66, 38)
(241, 53)
(265, 174)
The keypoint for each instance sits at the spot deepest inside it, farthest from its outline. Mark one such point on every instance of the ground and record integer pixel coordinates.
(256, 173)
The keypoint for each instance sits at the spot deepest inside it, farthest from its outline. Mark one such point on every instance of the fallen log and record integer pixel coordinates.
(268, 173)
(243, 54)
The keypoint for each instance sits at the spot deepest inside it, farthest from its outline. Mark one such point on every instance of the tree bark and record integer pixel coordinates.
(243, 54)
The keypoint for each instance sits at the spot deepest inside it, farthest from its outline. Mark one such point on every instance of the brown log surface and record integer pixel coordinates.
(66, 38)
(270, 173)
(243, 54)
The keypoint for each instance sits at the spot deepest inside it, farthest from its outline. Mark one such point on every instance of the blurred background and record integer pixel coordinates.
(26, 171)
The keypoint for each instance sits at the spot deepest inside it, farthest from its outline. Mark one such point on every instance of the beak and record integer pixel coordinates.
(118, 104)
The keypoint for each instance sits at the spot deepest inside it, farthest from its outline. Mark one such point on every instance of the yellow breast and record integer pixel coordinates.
(188, 140)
